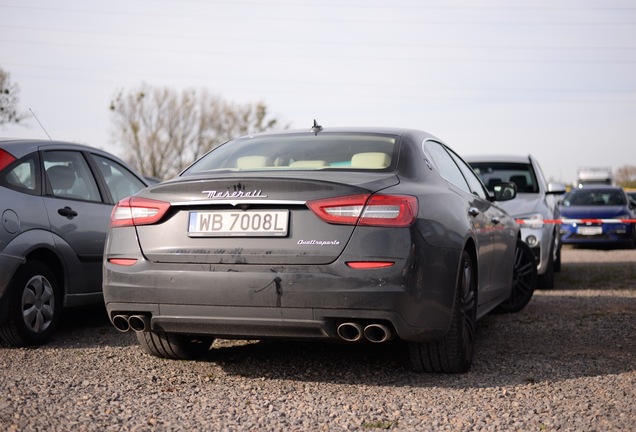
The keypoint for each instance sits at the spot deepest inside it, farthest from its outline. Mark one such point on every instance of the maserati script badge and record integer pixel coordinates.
(212, 194)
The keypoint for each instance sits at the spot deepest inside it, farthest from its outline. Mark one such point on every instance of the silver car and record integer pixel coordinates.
(536, 206)
(55, 200)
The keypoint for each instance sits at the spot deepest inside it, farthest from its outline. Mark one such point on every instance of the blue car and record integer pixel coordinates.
(598, 215)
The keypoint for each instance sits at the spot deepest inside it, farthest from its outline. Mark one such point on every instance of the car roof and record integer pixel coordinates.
(20, 147)
(349, 129)
(498, 158)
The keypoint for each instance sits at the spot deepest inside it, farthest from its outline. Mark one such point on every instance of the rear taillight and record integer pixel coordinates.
(368, 210)
(133, 211)
(6, 159)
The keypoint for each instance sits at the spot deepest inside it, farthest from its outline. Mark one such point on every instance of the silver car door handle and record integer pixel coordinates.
(473, 211)
(495, 220)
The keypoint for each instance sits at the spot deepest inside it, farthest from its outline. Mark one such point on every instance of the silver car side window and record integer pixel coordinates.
(22, 176)
(121, 183)
(69, 176)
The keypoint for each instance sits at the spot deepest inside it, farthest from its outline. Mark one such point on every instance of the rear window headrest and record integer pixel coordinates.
(254, 162)
(370, 160)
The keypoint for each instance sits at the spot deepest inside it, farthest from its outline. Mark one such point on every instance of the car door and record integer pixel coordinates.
(478, 212)
(498, 220)
(78, 216)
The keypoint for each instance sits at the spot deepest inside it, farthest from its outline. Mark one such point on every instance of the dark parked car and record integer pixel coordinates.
(55, 200)
(536, 202)
(347, 235)
(598, 215)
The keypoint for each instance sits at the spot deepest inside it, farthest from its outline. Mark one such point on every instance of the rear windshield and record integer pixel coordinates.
(594, 197)
(302, 152)
(521, 174)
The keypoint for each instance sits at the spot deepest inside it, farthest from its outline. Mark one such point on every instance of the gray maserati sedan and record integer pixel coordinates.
(345, 234)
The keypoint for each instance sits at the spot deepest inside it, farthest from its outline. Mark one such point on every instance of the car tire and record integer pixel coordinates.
(174, 346)
(546, 280)
(524, 280)
(454, 353)
(35, 305)
(557, 262)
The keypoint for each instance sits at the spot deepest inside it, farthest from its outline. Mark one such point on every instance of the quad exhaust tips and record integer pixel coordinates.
(354, 332)
(138, 323)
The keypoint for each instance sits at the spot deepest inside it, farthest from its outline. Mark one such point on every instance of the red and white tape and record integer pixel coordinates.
(573, 221)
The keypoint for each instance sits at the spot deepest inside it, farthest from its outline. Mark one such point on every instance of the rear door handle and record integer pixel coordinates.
(495, 220)
(67, 212)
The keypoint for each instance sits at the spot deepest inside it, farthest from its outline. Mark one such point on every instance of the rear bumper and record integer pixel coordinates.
(261, 322)
(303, 302)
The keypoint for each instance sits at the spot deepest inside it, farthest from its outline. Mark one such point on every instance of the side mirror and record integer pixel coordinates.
(504, 191)
(556, 188)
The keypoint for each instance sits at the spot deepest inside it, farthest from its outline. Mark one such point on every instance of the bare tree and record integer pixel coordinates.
(164, 131)
(626, 176)
(9, 100)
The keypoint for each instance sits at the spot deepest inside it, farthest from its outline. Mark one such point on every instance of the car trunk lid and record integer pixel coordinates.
(252, 220)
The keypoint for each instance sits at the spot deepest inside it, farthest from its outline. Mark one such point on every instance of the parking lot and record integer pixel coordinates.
(567, 362)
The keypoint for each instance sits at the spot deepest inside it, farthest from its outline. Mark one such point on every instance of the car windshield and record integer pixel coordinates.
(301, 152)
(594, 197)
(521, 174)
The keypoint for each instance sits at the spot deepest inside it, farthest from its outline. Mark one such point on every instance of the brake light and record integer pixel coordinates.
(6, 159)
(134, 211)
(367, 210)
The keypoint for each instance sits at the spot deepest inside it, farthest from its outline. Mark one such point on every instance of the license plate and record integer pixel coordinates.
(589, 230)
(238, 223)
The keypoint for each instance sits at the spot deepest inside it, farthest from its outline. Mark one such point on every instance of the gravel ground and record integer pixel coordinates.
(566, 362)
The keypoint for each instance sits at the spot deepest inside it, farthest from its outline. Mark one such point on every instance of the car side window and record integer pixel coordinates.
(446, 165)
(120, 181)
(69, 176)
(22, 177)
(476, 186)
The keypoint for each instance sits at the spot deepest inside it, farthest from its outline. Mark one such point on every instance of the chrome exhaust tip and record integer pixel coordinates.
(121, 323)
(377, 333)
(139, 323)
(350, 331)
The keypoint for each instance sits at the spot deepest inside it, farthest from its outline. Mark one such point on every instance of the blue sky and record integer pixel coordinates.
(553, 78)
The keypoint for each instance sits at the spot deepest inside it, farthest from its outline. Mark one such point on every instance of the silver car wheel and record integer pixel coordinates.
(38, 304)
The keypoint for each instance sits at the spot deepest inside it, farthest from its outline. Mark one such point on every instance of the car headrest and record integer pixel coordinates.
(246, 162)
(370, 160)
(61, 177)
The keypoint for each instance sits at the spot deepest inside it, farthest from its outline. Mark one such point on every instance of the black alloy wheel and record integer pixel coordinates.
(454, 353)
(524, 280)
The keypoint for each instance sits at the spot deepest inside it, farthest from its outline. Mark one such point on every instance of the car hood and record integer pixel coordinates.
(592, 212)
(524, 203)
